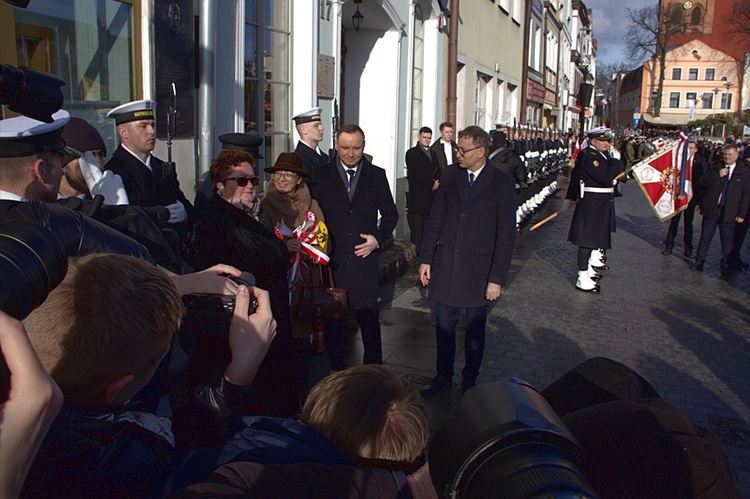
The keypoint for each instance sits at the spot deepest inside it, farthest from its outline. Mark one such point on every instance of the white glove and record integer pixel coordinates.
(565, 205)
(107, 183)
(177, 213)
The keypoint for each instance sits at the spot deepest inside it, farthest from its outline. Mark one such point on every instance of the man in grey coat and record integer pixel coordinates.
(466, 252)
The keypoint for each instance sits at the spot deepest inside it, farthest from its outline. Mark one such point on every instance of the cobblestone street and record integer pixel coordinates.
(686, 332)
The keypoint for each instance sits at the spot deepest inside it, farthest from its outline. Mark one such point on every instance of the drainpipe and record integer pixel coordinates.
(207, 89)
(453, 61)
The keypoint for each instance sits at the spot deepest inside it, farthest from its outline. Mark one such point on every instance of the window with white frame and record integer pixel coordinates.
(710, 74)
(480, 99)
(708, 100)
(267, 79)
(690, 97)
(417, 74)
(505, 5)
(674, 99)
(676, 73)
(693, 74)
(726, 100)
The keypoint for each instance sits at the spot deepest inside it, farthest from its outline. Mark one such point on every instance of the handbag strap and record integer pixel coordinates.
(330, 275)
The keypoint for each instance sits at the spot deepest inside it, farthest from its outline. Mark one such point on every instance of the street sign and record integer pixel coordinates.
(636, 121)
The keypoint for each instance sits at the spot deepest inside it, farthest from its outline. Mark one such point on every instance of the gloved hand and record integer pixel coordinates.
(107, 184)
(177, 213)
(565, 205)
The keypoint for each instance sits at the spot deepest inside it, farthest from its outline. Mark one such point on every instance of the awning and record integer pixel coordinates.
(666, 119)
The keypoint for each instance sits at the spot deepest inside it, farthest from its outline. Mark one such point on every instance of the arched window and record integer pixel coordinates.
(676, 18)
(695, 17)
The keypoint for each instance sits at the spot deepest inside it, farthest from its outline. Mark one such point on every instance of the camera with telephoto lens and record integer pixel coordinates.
(33, 262)
(30, 92)
(505, 440)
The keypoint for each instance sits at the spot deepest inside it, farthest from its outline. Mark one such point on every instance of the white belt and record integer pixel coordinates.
(596, 190)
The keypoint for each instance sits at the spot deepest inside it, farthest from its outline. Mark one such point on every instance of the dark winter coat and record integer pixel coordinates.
(469, 243)
(594, 217)
(347, 219)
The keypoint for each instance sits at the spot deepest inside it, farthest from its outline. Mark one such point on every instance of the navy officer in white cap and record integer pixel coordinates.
(310, 130)
(592, 185)
(31, 157)
(145, 177)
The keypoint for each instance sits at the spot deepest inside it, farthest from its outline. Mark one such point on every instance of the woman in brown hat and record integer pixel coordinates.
(295, 214)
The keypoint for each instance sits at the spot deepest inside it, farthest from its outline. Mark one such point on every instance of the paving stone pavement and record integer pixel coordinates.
(686, 332)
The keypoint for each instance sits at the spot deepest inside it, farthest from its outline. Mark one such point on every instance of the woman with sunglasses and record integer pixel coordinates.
(231, 233)
(297, 218)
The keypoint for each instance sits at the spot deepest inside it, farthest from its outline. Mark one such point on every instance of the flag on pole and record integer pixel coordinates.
(667, 181)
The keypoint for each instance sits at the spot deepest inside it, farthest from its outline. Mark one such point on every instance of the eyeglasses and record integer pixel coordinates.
(284, 175)
(463, 151)
(242, 181)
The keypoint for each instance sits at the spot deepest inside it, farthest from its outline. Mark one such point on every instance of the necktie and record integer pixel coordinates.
(351, 172)
(725, 187)
(471, 180)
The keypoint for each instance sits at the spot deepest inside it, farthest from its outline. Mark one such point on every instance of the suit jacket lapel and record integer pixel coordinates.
(364, 171)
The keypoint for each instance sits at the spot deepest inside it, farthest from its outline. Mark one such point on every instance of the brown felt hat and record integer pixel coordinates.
(289, 162)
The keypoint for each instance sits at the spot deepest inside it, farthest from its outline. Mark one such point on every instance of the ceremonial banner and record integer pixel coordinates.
(667, 181)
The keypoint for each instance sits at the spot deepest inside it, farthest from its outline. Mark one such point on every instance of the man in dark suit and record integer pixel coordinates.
(147, 179)
(423, 175)
(310, 130)
(697, 166)
(351, 191)
(725, 203)
(466, 252)
(444, 147)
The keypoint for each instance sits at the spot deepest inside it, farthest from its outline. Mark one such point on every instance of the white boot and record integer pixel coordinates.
(593, 275)
(585, 283)
(597, 260)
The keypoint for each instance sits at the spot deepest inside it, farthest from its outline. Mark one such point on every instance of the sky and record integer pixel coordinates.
(610, 25)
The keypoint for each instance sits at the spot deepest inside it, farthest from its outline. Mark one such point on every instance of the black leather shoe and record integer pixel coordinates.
(437, 385)
(596, 278)
(468, 383)
(689, 253)
(697, 267)
(667, 251)
(596, 289)
(601, 267)
(725, 272)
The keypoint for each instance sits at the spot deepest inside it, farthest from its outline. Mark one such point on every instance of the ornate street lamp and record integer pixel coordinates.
(357, 18)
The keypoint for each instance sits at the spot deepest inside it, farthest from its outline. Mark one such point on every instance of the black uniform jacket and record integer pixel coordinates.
(311, 160)
(421, 172)
(469, 242)
(347, 219)
(146, 187)
(594, 218)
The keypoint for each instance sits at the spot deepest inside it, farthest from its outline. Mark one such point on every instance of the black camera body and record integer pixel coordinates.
(217, 310)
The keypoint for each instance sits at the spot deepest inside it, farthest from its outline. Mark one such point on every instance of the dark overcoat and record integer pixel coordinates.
(146, 187)
(347, 219)
(594, 217)
(437, 146)
(738, 191)
(469, 243)
(421, 172)
(226, 234)
(311, 160)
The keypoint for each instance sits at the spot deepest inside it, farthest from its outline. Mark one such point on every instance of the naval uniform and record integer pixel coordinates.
(591, 183)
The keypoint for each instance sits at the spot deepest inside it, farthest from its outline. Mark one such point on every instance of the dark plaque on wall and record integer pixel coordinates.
(174, 51)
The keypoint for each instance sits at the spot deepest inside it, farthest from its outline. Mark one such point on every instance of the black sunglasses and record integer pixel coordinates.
(242, 181)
